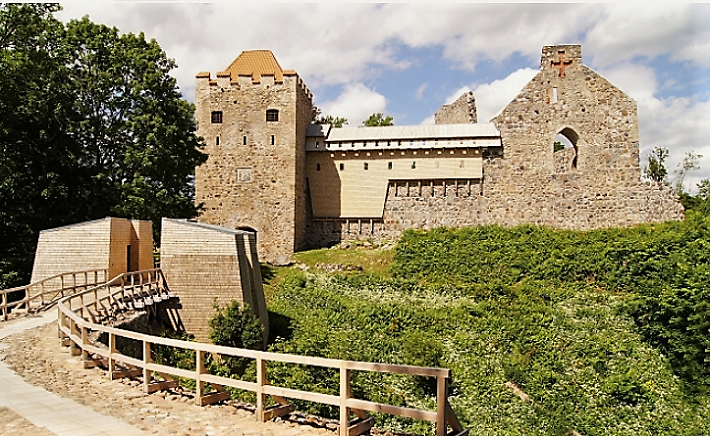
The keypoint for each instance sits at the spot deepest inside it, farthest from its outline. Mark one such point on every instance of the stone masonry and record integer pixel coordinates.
(463, 110)
(594, 183)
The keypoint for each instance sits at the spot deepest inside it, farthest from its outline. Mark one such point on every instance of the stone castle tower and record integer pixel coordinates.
(253, 117)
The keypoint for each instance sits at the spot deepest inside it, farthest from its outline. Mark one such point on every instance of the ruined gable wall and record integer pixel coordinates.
(462, 111)
(257, 185)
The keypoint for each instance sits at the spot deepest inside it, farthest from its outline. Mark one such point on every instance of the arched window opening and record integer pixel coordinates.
(565, 150)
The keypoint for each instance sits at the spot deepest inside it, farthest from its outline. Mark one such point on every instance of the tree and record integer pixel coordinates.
(234, 326)
(91, 124)
(378, 119)
(689, 163)
(334, 121)
(656, 170)
(558, 146)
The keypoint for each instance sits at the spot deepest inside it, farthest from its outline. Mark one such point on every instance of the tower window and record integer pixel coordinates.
(217, 140)
(272, 115)
(389, 165)
(365, 166)
(342, 166)
(317, 167)
(216, 117)
(244, 140)
(414, 165)
(273, 139)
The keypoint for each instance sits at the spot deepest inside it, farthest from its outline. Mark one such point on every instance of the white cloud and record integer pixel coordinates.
(356, 103)
(631, 30)
(492, 97)
(419, 93)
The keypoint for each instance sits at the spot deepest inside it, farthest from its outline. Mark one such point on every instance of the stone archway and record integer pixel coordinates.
(565, 150)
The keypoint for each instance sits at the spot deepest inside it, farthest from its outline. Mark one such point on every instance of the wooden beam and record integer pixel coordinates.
(360, 427)
(161, 386)
(278, 410)
(126, 373)
(214, 397)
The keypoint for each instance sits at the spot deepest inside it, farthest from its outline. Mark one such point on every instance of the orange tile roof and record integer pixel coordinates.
(255, 63)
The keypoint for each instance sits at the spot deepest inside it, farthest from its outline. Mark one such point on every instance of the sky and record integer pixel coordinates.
(406, 60)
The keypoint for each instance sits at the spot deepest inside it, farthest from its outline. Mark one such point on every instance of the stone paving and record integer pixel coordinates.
(36, 356)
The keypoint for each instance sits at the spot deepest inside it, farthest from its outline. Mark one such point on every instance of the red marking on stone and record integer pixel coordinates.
(561, 64)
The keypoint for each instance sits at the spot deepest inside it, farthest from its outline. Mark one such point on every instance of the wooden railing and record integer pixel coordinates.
(75, 331)
(46, 292)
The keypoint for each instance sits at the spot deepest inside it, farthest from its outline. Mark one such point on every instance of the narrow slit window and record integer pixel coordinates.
(554, 95)
(273, 139)
(317, 167)
(244, 140)
(272, 115)
(342, 166)
(365, 166)
(217, 142)
(216, 117)
(414, 165)
(389, 165)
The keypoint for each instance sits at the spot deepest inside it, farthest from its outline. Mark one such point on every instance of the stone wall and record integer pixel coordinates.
(462, 111)
(255, 175)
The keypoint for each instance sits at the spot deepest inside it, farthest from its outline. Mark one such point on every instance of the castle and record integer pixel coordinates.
(302, 185)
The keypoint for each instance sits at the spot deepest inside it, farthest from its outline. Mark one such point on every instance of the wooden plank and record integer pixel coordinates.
(441, 406)
(93, 363)
(161, 386)
(171, 370)
(125, 373)
(214, 397)
(391, 410)
(452, 419)
(333, 400)
(240, 384)
(360, 427)
(278, 410)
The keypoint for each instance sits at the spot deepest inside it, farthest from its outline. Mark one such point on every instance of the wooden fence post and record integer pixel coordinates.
(84, 343)
(344, 395)
(199, 370)
(4, 306)
(146, 361)
(441, 405)
(260, 382)
(111, 351)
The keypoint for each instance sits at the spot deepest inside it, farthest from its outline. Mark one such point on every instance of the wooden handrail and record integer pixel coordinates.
(53, 292)
(75, 328)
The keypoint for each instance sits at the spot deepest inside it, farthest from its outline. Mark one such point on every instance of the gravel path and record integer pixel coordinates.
(37, 357)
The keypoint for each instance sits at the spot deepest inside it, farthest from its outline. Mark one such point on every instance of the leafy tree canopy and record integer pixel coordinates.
(378, 119)
(334, 121)
(656, 170)
(91, 124)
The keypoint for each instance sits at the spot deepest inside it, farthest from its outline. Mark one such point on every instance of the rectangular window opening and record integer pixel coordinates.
(216, 117)
(217, 142)
(273, 139)
(554, 95)
(342, 166)
(389, 165)
(365, 166)
(244, 140)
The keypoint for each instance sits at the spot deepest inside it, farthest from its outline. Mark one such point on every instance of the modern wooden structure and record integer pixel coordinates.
(117, 245)
(207, 265)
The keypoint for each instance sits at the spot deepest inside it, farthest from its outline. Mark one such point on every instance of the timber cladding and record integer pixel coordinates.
(207, 265)
(116, 244)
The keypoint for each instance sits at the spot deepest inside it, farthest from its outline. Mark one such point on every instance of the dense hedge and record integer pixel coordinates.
(606, 331)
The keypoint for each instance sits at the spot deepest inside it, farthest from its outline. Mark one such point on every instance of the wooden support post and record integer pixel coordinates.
(260, 382)
(441, 406)
(199, 370)
(4, 307)
(111, 352)
(75, 350)
(146, 361)
(344, 395)
(84, 343)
